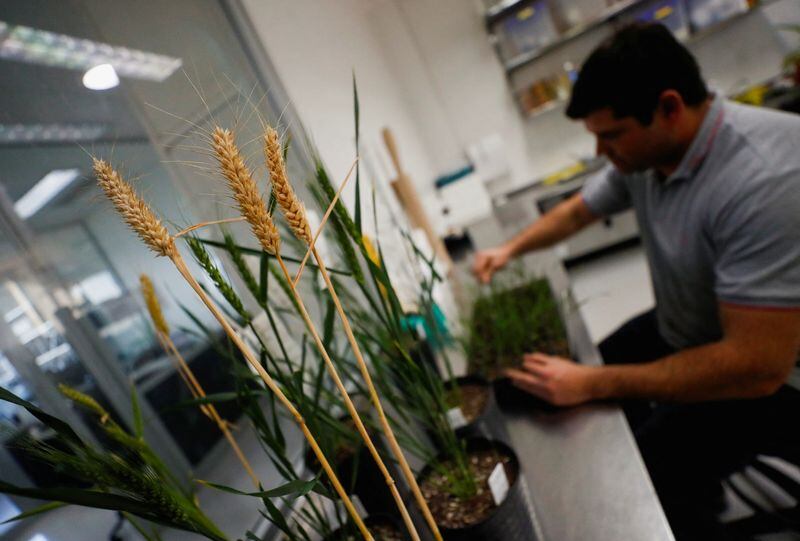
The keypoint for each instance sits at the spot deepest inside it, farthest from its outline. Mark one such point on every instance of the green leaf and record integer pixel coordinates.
(241, 265)
(138, 423)
(50, 506)
(257, 251)
(303, 357)
(286, 143)
(200, 325)
(327, 333)
(280, 439)
(263, 279)
(148, 536)
(294, 488)
(62, 428)
(88, 498)
(356, 114)
(276, 517)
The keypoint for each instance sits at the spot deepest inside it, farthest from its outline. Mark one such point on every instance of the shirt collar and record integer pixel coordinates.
(702, 143)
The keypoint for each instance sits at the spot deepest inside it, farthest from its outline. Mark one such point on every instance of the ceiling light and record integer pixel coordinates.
(101, 77)
(44, 191)
(49, 133)
(51, 49)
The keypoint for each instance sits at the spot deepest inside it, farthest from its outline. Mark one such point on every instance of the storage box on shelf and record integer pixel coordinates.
(512, 25)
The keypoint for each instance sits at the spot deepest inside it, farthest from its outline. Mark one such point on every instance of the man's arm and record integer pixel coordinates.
(562, 221)
(753, 359)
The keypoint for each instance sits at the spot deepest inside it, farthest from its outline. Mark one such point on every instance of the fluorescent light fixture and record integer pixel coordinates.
(44, 191)
(49, 133)
(28, 44)
(100, 77)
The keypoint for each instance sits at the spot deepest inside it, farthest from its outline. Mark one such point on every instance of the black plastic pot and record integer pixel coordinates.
(371, 521)
(360, 476)
(489, 424)
(511, 520)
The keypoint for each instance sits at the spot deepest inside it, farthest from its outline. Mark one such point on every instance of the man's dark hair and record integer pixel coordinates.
(630, 70)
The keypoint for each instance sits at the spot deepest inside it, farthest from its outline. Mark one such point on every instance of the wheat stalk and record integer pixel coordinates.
(288, 201)
(141, 218)
(209, 410)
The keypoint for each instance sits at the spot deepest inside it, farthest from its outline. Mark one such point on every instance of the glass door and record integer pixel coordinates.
(72, 287)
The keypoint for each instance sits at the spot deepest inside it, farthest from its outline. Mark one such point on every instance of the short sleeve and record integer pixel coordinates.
(606, 192)
(757, 240)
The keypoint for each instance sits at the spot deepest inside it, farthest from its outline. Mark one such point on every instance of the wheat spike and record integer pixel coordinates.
(84, 400)
(292, 208)
(245, 190)
(136, 213)
(153, 306)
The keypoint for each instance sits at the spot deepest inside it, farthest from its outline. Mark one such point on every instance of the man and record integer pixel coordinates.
(716, 191)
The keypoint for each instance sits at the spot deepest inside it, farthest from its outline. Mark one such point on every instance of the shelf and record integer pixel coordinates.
(617, 10)
(501, 9)
(551, 105)
(574, 32)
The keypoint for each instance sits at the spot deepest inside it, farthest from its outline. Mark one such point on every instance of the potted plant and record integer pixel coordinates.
(507, 322)
(454, 478)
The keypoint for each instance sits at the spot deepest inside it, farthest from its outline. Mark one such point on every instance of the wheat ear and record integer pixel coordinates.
(244, 183)
(112, 191)
(133, 209)
(245, 190)
(293, 210)
(209, 410)
(289, 203)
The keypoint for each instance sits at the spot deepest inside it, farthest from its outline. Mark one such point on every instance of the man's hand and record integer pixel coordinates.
(487, 262)
(553, 379)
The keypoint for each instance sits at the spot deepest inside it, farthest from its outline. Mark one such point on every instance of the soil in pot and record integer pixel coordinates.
(506, 324)
(476, 517)
(452, 512)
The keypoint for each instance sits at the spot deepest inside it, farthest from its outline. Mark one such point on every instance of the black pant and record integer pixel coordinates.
(690, 448)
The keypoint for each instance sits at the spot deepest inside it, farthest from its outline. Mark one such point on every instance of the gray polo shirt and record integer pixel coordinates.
(724, 227)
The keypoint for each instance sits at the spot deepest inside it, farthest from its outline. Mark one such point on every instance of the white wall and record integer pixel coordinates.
(315, 47)
(454, 81)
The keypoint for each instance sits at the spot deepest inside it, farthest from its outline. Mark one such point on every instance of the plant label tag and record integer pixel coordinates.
(456, 418)
(498, 484)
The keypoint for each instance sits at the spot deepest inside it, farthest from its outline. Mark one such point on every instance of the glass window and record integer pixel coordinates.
(141, 84)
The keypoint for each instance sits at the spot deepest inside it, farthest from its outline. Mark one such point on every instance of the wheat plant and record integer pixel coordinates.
(253, 208)
(138, 215)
